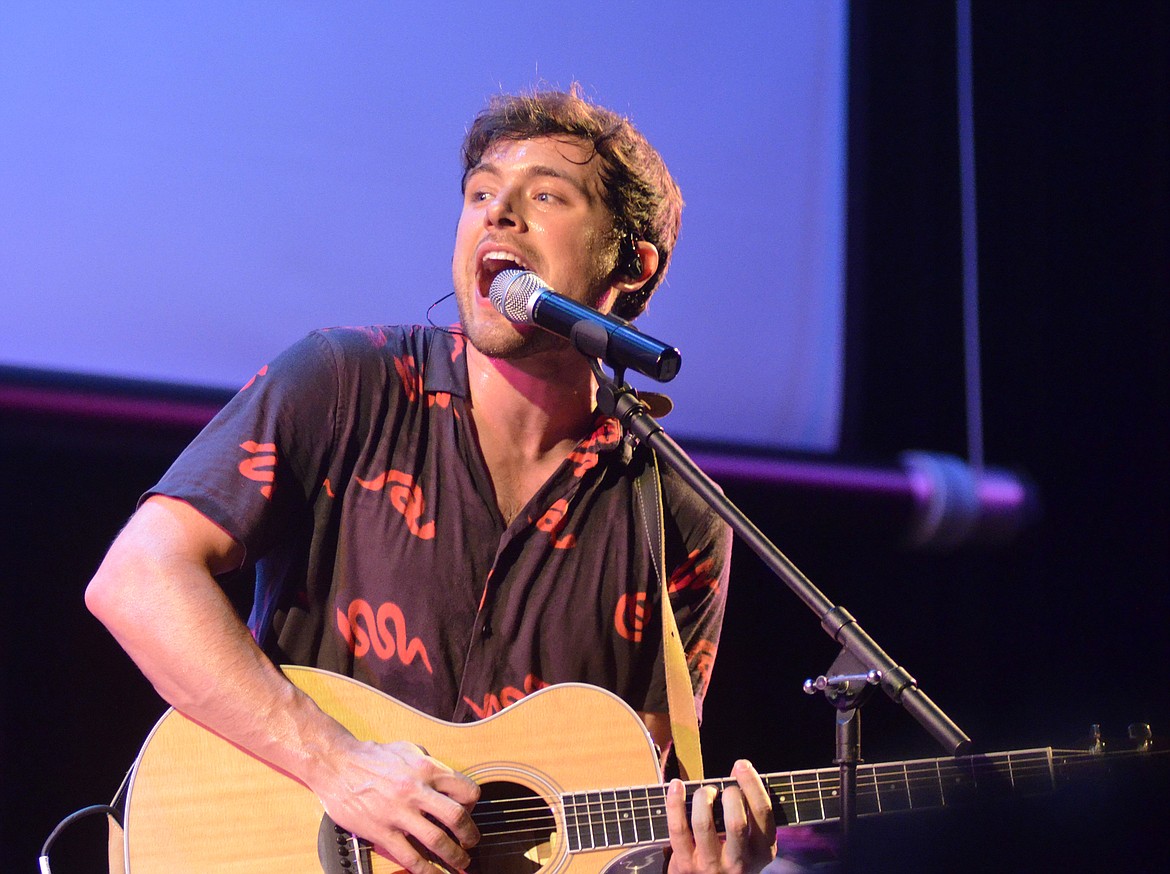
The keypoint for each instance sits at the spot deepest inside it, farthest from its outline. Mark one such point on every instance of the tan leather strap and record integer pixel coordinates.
(680, 697)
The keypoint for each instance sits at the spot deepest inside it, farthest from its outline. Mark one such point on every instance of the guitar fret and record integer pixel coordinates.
(869, 800)
(656, 806)
(717, 810)
(924, 785)
(808, 804)
(820, 795)
(1035, 775)
(959, 779)
(830, 781)
(782, 791)
(627, 820)
(891, 789)
(626, 833)
(640, 808)
(1038, 776)
(583, 821)
(987, 775)
(610, 819)
(572, 822)
(579, 830)
(604, 819)
(598, 837)
(637, 816)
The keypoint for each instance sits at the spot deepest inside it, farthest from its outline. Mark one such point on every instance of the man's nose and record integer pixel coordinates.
(501, 211)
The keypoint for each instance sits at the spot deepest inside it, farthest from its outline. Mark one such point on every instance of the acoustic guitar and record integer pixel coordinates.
(570, 783)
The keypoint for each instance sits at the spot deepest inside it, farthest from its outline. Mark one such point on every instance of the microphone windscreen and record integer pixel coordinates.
(511, 291)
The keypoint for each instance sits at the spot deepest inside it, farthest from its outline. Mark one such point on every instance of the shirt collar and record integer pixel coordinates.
(446, 371)
(446, 366)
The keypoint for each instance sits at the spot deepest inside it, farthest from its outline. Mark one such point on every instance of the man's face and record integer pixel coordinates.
(534, 204)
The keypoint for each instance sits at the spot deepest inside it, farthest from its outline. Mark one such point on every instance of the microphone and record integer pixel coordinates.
(526, 299)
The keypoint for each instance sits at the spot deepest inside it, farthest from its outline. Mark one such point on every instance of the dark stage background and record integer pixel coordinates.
(1022, 644)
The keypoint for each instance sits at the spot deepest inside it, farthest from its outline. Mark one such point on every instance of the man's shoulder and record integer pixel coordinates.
(403, 352)
(688, 506)
(374, 341)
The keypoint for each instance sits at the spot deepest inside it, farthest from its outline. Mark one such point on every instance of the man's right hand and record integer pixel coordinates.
(411, 807)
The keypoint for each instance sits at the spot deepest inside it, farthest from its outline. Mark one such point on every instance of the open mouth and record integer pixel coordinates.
(491, 263)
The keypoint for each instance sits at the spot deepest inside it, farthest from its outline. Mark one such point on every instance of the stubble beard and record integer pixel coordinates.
(500, 338)
(497, 337)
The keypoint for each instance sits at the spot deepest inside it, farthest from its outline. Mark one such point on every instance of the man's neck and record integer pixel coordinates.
(529, 414)
(534, 403)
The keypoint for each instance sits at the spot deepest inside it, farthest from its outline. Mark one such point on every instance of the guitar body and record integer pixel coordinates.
(198, 804)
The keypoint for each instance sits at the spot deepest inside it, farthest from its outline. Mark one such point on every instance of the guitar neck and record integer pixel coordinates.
(633, 816)
(922, 784)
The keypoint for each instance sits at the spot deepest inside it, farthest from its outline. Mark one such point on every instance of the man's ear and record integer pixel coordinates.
(636, 264)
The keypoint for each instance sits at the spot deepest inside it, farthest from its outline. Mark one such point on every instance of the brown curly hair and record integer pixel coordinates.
(639, 191)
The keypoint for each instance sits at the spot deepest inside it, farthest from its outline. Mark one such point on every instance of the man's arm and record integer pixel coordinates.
(156, 593)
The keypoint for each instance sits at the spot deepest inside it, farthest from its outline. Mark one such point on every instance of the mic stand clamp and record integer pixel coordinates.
(847, 687)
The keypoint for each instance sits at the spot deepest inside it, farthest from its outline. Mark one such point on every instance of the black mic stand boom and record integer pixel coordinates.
(861, 664)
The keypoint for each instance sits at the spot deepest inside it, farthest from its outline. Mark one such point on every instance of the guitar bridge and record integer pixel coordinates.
(340, 851)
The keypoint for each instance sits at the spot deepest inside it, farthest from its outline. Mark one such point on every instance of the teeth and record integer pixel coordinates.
(497, 255)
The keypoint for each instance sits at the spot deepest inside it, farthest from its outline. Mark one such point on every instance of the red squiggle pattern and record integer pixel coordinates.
(405, 497)
(261, 466)
(494, 703)
(629, 619)
(694, 574)
(385, 633)
(263, 371)
(553, 522)
(410, 377)
(700, 660)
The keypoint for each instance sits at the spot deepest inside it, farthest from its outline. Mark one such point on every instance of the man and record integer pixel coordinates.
(443, 515)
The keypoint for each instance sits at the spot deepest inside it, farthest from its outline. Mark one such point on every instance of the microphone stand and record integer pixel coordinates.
(861, 664)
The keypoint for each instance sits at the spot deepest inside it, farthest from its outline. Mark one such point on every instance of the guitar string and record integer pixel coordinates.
(613, 831)
(1024, 765)
(886, 778)
(879, 778)
(795, 788)
(611, 823)
(806, 782)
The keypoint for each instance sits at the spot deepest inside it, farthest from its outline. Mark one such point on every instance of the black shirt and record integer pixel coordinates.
(349, 471)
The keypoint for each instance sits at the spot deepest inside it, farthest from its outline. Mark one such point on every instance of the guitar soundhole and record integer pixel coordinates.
(517, 835)
(517, 830)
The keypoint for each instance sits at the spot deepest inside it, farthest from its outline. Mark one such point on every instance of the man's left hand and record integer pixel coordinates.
(750, 827)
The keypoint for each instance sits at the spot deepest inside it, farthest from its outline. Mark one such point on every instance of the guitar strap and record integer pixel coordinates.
(680, 697)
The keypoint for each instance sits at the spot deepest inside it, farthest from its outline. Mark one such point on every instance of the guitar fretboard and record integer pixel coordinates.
(631, 816)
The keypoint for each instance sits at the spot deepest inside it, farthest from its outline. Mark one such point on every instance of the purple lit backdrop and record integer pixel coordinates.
(186, 188)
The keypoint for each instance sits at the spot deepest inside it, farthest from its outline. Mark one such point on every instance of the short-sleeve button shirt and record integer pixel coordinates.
(349, 470)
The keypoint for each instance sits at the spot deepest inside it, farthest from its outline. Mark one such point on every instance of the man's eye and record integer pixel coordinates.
(547, 197)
